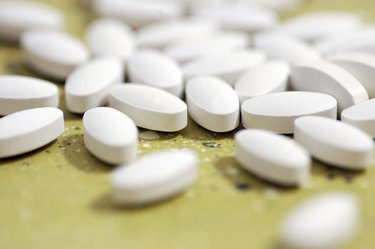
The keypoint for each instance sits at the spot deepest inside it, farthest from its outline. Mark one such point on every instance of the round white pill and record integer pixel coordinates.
(154, 177)
(334, 142)
(149, 107)
(110, 135)
(19, 93)
(212, 103)
(277, 111)
(27, 130)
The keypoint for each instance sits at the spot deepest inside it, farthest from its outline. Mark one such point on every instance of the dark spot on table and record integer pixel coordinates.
(242, 186)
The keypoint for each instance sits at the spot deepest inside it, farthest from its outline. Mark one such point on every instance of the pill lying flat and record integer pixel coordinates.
(280, 5)
(27, 130)
(88, 85)
(154, 177)
(52, 52)
(325, 221)
(149, 107)
(328, 78)
(18, 16)
(19, 93)
(110, 37)
(267, 78)
(353, 149)
(156, 69)
(362, 116)
(110, 135)
(277, 111)
(212, 103)
(228, 66)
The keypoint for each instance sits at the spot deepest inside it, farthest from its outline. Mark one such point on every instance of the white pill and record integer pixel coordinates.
(110, 135)
(272, 157)
(263, 79)
(212, 103)
(277, 111)
(52, 52)
(228, 66)
(110, 37)
(284, 47)
(328, 78)
(278, 5)
(27, 130)
(19, 93)
(323, 222)
(149, 107)
(362, 116)
(154, 177)
(18, 16)
(161, 34)
(334, 142)
(158, 70)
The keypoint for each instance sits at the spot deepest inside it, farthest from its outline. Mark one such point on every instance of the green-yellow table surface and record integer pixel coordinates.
(58, 197)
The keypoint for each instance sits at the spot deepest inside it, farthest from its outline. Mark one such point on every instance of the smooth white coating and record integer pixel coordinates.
(156, 69)
(110, 135)
(362, 116)
(19, 93)
(334, 142)
(277, 111)
(266, 78)
(278, 5)
(27, 130)
(322, 222)
(52, 52)
(18, 16)
(331, 79)
(212, 103)
(88, 86)
(149, 107)
(154, 177)
(228, 66)
(110, 37)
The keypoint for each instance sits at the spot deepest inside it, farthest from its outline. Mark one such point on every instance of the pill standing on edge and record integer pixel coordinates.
(27, 130)
(154, 177)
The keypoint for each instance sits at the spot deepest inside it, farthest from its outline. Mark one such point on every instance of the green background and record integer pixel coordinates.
(58, 196)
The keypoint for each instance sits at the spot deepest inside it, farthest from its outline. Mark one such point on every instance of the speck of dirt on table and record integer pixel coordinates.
(242, 186)
(211, 144)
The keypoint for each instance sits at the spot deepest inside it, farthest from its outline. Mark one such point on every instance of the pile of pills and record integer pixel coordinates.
(227, 65)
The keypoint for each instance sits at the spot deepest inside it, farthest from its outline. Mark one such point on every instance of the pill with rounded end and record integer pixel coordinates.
(277, 111)
(335, 142)
(149, 107)
(272, 157)
(28, 130)
(19, 93)
(212, 103)
(88, 85)
(110, 135)
(154, 177)
(326, 221)
(53, 53)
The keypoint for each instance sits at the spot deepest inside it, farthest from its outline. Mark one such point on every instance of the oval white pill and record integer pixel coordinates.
(325, 221)
(263, 79)
(228, 66)
(154, 177)
(272, 157)
(212, 103)
(88, 86)
(52, 52)
(27, 130)
(328, 78)
(334, 142)
(19, 93)
(18, 16)
(110, 135)
(156, 69)
(277, 111)
(149, 107)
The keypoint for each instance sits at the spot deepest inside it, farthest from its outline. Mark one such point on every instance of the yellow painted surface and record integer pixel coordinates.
(58, 196)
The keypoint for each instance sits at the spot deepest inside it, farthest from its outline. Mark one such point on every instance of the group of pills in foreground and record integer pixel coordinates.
(196, 58)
